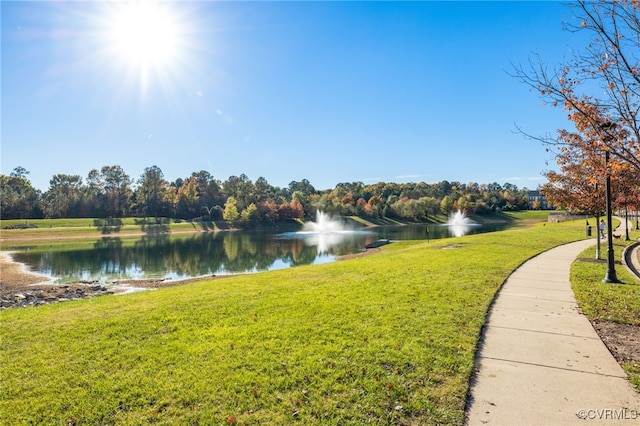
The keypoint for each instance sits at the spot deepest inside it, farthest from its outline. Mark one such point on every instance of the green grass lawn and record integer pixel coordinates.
(608, 302)
(52, 229)
(80, 222)
(385, 339)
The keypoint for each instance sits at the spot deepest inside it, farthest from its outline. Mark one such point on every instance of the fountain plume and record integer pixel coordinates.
(325, 232)
(459, 224)
(323, 224)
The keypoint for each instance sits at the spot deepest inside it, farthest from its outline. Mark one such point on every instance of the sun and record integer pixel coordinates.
(145, 38)
(145, 33)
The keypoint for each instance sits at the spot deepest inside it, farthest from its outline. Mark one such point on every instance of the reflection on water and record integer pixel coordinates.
(184, 256)
(460, 230)
(330, 242)
(181, 257)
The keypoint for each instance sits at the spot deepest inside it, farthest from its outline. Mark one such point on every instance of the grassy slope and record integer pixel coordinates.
(388, 338)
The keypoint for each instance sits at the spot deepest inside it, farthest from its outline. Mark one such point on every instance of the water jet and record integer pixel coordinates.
(324, 224)
(459, 224)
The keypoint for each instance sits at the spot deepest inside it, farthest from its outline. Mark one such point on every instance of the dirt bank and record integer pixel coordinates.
(15, 276)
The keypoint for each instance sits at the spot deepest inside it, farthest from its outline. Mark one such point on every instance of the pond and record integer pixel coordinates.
(221, 253)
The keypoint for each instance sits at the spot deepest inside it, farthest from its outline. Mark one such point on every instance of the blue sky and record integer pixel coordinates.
(325, 91)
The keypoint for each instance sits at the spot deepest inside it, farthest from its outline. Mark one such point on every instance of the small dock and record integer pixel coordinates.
(377, 244)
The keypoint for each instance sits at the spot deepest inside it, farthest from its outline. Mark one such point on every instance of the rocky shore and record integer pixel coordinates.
(20, 287)
(41, 295)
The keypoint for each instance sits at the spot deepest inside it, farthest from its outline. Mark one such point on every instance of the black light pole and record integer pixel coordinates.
(626, 220)
(610, 276)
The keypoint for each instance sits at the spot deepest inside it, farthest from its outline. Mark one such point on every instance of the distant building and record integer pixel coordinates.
(537, 200)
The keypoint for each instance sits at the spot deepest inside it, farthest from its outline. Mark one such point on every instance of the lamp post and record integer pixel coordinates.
(626, 220)
(597, 227)
(610, 276)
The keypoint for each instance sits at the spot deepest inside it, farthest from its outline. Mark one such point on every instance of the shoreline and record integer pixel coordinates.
(20, 287)
(17, 276)
(17, 279)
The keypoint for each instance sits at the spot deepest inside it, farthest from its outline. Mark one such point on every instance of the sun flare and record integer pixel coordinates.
(145, 38)
(145, 33)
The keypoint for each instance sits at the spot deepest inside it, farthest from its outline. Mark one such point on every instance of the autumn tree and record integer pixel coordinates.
(231, 213)
(600, 83)
(292, 210)
(578, 184)
(626, 186)
(361, 205)
(249, 214)
(599, 88)
(170, 199)
(374, 206)
(188, 200)
(268, 212)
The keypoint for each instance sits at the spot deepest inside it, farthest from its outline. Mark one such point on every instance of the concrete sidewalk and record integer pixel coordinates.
(540, 361)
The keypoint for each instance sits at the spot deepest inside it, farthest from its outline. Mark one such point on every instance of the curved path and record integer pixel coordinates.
(632, 258)
(540, 361)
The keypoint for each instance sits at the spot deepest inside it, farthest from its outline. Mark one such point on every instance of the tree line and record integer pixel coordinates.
(111, 193)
